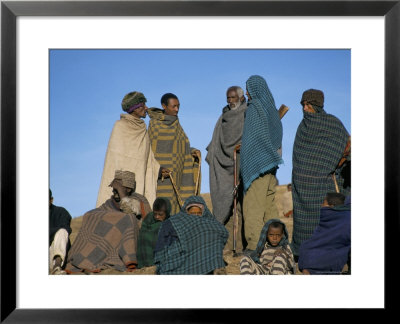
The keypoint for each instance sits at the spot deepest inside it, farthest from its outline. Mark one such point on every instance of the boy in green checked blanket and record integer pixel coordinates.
(273, 255)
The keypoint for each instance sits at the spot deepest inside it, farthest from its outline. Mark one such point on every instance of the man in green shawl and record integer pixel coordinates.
(320, 144)
(260, 157)
(149, 231)
(172, 150)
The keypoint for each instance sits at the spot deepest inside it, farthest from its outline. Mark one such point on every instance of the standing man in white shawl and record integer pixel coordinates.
(129, 150)
(227, 135)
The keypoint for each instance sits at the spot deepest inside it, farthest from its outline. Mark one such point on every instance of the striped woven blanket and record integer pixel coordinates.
(172, 150)
(318, 147)
(106, 239)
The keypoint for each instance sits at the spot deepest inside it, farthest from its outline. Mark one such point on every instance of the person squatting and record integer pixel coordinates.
(149, 212)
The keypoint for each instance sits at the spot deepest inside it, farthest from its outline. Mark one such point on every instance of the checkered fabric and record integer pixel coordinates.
(320, 142)
(200, 243)
(106, 239)
(262, 133)
(172, 150)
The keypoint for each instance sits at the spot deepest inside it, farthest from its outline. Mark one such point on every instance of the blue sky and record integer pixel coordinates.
(87, 86)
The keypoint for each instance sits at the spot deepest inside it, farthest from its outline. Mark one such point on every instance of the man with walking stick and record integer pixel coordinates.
(172, 150)
(223, 158)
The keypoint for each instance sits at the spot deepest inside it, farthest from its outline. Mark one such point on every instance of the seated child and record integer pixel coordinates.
(328, 249)
(148, 233)
(273, 255)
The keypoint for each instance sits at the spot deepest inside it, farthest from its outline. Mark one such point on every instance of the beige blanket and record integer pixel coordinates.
(129, 149)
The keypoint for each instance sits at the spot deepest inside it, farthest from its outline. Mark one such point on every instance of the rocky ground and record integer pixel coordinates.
(232, 261)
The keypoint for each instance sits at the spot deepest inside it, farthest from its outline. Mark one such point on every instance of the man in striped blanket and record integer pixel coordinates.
(108, 235)
(321, 143)
(191, 242)
(273, 255)
(172, 150)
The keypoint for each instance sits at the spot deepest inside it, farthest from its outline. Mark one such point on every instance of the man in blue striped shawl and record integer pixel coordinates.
(260, 157)
(321, 142)
(190, 243)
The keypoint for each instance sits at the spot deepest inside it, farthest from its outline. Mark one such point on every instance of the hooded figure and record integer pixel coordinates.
(148, 235)
(328, 249)
(260, 157)
(272, 256)
(190, 244)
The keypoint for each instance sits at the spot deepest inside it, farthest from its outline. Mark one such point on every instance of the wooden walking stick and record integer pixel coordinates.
(235, 192)
(196, 191)
(335, 182)
(176, 190)
(342, 160)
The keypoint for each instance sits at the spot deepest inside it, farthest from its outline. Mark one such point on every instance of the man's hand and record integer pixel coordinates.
(237, 147)
(196, 154)
(165, 173)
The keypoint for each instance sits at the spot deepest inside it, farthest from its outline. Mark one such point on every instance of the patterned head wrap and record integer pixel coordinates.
(313, 97)
(127, 177)
(262, 133)
(132, 101)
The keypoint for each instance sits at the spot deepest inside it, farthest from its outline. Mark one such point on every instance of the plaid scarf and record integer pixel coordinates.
(262, 133)
(148, 237)
(172, 150)
(198, 249)
(319, 144)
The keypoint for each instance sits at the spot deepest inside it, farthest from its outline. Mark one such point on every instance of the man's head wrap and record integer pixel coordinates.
(313, 97)
(132, 101)
(127, 177)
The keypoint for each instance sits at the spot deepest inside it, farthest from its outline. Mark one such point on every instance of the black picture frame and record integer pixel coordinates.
(10, 10)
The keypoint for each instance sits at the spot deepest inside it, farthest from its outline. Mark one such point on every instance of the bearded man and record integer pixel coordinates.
(172, 149)
(108, 235)
(129, 149)
(260, 157)
(226, 137)
(321, 155)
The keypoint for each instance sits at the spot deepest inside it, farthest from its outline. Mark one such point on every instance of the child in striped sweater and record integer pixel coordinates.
(273, 255)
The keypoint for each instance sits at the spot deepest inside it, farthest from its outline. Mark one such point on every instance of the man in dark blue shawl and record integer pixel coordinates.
(260, 157)
(320, 144)
(190, 243)
(327, 250)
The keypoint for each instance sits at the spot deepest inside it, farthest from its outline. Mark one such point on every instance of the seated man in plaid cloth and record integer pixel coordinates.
(108, 235)
(190, 242)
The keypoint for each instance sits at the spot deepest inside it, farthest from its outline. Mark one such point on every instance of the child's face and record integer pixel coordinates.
(160, 215)
(274, 235)
(194, 210)
(325, 203)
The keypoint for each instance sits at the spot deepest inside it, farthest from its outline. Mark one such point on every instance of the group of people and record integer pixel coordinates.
(150, 212)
